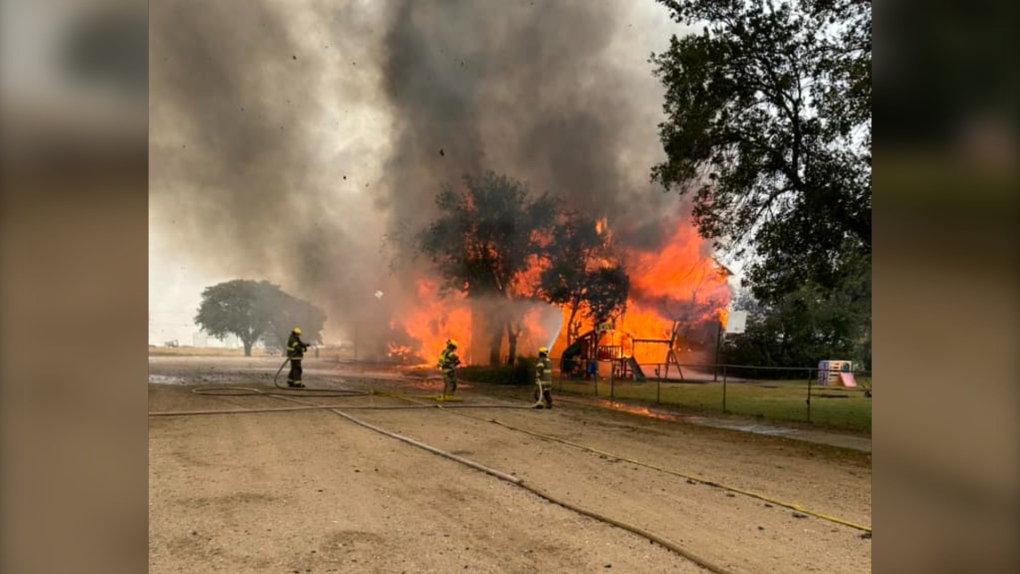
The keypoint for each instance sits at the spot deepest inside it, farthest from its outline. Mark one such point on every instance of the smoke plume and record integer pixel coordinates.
(290, 138)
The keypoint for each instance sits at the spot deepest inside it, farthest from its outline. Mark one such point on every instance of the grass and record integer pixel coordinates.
(831, 406)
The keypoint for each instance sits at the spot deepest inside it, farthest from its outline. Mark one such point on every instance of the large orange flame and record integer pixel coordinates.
(673, 292)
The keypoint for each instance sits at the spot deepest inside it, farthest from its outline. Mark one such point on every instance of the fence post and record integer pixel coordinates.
(658, 388)
(612, 379)
(809, 380)
(724, 388)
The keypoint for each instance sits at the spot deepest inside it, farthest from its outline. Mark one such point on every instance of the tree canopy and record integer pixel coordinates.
(489, 232)
(256, 310)
(583, 272)
(768, 127)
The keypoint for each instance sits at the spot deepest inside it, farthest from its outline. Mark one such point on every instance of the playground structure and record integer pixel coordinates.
(838, 373)
(580, 359)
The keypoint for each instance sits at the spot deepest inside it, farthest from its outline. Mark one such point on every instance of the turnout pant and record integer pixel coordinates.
(449, 383)
(295, 372)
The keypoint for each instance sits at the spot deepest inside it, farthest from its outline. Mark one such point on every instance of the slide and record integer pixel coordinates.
(847, 379)
(635, 368)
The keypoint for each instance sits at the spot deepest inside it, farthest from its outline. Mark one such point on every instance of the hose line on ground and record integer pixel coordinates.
(672, 546)
(327, 393)
(790, 505)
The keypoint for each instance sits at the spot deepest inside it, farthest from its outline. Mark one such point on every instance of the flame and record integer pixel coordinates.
(676, 292)
(434, 319)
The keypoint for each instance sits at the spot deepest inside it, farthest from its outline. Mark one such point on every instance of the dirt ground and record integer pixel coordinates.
(307, 491)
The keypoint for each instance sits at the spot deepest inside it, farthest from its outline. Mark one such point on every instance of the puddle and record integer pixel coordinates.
(165, 380)
(692, 419)
(862, 444)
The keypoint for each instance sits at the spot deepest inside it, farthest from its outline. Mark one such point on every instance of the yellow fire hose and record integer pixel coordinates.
(762, 497)
(669, 545)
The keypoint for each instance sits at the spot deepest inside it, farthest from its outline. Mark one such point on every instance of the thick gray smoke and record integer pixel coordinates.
(242, 171)
(261, 165)
(537, 90)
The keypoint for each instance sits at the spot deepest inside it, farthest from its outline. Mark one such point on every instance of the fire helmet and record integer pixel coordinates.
(451, 343)
(543, 351)
(297, 330)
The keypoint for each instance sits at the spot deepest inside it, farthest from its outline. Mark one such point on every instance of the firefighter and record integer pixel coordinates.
(448, 362)
(295, 352)
(543, 380)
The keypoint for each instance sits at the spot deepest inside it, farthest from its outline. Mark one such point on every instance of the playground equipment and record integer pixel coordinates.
(836, 373)
(671, 358)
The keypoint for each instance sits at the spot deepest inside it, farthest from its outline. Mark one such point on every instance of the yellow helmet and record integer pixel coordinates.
(297, 330)
(543, 351)
(451, 343)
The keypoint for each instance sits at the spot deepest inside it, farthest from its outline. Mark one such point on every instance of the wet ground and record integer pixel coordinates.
(741, 424)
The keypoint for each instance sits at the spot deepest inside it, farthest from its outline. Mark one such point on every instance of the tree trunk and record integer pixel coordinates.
(495, 341)
(571, 330)
(247, 348)
(511, 337)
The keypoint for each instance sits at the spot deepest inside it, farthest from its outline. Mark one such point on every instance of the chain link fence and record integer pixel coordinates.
(779, 393)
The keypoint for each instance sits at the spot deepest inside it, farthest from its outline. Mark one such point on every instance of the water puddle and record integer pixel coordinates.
(165, 380)
(691, 419)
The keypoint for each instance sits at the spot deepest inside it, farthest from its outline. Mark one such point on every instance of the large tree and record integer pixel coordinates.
(584, 273)
(255, 310)
(489, 232)
(768, 127)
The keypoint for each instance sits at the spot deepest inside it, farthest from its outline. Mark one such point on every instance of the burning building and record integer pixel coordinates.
(302, 136)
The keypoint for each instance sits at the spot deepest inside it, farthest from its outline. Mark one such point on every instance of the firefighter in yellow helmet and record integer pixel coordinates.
(448, 362)
(543, 380)
(295, 352)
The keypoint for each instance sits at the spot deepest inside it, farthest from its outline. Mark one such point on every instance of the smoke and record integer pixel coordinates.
(260, 155)
(546, 92)
(289, 138)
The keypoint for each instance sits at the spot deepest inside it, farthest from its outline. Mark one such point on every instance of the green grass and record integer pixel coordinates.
(831, 406)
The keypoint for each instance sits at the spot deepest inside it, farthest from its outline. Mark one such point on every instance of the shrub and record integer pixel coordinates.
(520, 374)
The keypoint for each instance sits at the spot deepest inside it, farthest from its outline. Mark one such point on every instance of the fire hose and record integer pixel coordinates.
(651, 537)
(789, 505)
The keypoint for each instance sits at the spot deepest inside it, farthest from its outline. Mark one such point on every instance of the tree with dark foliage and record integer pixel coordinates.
(583, 272)
(488, 234)
(769, 128)
(255, 310)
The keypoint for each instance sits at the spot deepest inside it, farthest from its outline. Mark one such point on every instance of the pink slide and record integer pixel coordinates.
(847, 379)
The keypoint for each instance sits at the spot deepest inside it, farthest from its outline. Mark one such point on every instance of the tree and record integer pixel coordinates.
(255, 310)
(769, 128)
(487, 235)
(805, 326)
(288, 312)
(695, 311)
(607, 293)
(583, 271)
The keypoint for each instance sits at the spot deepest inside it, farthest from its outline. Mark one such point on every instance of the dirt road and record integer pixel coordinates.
(308, 491)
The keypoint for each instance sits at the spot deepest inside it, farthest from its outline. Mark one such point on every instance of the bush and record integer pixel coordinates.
(520, 374)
